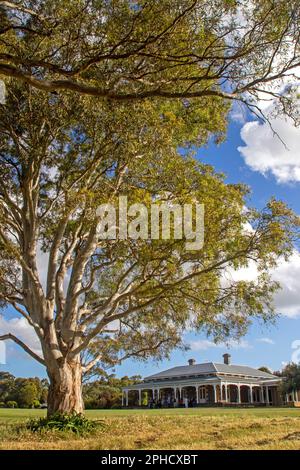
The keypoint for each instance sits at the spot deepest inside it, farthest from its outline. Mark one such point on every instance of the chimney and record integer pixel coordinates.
(191, 362)
(227, 358)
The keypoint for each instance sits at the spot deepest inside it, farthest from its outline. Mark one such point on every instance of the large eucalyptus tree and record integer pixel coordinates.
(151, 78)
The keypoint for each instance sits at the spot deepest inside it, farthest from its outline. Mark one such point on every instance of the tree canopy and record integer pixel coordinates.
(291, 377)
(134, 49)
(56, 170)
(17, 391)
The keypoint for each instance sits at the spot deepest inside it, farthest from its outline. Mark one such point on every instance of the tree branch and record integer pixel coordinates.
(72, 85)
(15, 6)
(23, 346)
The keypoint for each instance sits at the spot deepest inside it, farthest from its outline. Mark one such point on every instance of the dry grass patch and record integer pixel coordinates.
(166, 431)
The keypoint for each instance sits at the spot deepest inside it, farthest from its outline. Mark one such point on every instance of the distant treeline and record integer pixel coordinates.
(104, 392)
(16, 392)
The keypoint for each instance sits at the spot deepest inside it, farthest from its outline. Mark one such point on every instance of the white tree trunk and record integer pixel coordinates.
(65, 392)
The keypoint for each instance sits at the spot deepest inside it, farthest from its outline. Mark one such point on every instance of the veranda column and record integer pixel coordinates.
(262, 398)
(126, 397)
(251, 394)
(122, 398)
(140, 397)
(226, 394)
(215, 393)
(197, 394)
(267, 395)
(239, 393)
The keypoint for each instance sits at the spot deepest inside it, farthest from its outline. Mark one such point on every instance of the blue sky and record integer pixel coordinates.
(270, 169)
(269, 345)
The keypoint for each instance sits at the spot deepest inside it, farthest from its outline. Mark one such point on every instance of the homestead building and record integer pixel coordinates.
(205, 384)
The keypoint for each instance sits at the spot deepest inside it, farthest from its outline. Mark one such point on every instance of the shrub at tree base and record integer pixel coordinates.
(12, 404)
(36, 404)
(74, 422)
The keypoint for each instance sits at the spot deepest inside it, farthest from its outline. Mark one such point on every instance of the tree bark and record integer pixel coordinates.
(65, 391)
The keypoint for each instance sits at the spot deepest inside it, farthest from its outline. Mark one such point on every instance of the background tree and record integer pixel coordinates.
(265, 369)
(12, 404)
(26, 393)
(6, 386)
(106, 392)
(22, 392)
(291, 378)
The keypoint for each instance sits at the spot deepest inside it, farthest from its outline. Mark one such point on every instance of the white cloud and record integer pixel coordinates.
(287, 300)
(2, 353)
(296, 354)
(265, 340)
(287, 273)
(22, 330)
(250, 273)
(42, 264)
(201, 345)
(204, 344)
(238, 113)
(264, 152)
(2, 92)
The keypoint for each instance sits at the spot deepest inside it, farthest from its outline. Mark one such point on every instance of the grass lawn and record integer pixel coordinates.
(198, 428)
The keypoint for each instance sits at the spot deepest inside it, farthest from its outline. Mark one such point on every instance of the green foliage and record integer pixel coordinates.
(265, 369)
(64, 422)
(25, 392)
(291, 377)
(106, 392)
(7, 386)
(124, 50)
(36, 404)
(11, 404)
(75, 159)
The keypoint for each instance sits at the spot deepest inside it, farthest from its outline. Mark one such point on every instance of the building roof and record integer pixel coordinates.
(243, 370)
(201, 380)
(209, 368)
